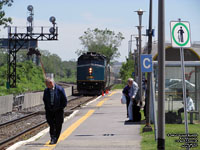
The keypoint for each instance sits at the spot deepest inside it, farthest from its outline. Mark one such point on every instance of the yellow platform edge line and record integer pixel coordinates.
(112, 93)
(69, 130)
(101, 102)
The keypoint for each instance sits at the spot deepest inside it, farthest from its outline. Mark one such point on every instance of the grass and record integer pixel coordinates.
(118, 86)
(149, 143)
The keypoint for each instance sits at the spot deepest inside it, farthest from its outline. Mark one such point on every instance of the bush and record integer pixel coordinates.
(126, 70)
(29, 78)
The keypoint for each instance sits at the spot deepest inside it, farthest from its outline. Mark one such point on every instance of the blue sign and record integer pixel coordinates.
(133, 74)
(4, 43)
(146, 63)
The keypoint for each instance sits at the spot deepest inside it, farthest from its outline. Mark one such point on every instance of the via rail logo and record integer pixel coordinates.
(180, 34)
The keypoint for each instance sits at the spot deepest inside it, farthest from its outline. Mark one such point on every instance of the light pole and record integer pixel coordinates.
(148, 127)
(161, 75)
(140, 13)
(136, 57)
(130, 53)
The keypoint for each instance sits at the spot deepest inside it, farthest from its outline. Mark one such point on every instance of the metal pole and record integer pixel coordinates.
(161, 75)
(148, 127)
(131, 45)
(128, 49)
(153, 107)
(184, 89)
(140, 50)
(136, 59)
(8, 58)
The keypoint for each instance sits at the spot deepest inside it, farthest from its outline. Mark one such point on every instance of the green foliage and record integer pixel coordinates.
(105, 42)
(126, 70)
(118, 86)
(3, 57)
(3, 20)
(62, 70)
(29, 78)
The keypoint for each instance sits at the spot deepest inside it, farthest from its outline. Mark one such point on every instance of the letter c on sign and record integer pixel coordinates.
(148, 64)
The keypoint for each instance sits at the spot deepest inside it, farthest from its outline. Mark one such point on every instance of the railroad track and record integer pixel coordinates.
(29, 125)
(65, 84)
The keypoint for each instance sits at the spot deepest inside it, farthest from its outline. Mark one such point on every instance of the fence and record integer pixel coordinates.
(9, 103)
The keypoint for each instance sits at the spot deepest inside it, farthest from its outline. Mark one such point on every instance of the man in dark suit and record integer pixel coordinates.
(55, 101)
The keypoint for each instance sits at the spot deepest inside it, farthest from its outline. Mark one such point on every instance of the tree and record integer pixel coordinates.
(3, 57)
(126, 70)
(105, 42)
(3, 20)
(68, 73)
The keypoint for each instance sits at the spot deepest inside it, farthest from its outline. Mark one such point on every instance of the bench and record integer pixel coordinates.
(191, 115)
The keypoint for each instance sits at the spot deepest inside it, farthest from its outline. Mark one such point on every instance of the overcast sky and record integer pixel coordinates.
(73, 17)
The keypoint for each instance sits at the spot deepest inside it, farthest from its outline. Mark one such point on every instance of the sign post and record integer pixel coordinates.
(180, 37)
(147, 66)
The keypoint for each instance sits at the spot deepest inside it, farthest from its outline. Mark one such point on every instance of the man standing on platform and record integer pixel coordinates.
(132, 93)
(55, 101)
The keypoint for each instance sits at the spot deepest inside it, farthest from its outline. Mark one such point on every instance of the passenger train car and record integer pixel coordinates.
(94, 75)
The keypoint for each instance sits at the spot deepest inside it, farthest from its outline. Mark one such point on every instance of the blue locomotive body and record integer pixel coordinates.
(93, 75)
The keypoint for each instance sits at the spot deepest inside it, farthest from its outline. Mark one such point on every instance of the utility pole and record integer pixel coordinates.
(148, 127)
(140, 13)
(136, 57)
(130, 54)
(161, 75)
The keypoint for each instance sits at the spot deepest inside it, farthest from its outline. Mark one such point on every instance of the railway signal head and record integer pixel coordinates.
(52, 19)
(30, 8)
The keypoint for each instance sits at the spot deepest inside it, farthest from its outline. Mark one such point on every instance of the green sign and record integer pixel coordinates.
(180, 34)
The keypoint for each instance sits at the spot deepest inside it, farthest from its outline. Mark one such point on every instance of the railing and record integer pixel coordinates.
(18, 102)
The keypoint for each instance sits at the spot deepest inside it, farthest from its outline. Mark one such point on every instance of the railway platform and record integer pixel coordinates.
(99, 125)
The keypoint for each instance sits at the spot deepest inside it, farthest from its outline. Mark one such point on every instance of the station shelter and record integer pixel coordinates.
(173, 76)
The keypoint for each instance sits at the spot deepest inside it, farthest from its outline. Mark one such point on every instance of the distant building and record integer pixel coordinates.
(116, 68)
(173, 54)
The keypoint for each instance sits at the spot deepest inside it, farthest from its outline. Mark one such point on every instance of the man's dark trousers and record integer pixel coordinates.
(55, 120)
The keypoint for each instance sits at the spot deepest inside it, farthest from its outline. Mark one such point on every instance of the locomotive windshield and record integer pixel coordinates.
(91, 59)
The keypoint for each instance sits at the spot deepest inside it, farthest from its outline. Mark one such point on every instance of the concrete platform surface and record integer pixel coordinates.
(97, 126)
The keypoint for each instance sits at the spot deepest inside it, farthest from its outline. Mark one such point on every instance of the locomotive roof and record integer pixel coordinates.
(90, 55)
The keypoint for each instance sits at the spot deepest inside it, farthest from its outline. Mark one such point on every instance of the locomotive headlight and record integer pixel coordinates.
(90, 70)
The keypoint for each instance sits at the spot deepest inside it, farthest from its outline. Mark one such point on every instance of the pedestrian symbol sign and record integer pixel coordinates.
(180, 34)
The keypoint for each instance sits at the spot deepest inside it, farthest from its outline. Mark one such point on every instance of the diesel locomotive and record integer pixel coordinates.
(94, 75)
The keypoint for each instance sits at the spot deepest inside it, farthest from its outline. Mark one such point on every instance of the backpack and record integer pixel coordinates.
(136, 113)
(137, 96)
